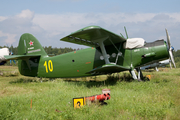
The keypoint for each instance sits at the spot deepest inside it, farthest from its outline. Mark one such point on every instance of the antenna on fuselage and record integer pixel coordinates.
(122, 35)
(126, 32)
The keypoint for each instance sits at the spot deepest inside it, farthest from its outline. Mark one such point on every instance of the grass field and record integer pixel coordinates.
(158, 98)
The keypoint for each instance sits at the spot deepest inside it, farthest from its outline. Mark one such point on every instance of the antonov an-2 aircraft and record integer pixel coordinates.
(108, 53)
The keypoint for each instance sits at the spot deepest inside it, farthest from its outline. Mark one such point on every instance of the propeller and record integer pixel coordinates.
(170, 50)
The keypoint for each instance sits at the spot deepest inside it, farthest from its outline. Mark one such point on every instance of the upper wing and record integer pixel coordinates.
(90, 35)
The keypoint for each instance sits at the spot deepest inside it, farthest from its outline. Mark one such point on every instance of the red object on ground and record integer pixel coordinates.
(100, 97)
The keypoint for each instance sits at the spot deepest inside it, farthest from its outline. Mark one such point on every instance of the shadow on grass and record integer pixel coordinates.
(149, 70)
(111, 80)
(21, 80)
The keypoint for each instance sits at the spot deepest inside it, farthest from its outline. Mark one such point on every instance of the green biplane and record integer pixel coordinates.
(108, 53)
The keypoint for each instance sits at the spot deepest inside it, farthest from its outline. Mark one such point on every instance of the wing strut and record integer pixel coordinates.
(101, 44)
(119, 52)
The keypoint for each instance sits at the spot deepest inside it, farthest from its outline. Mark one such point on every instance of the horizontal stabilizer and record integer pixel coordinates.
(21, 57)
(107, 69)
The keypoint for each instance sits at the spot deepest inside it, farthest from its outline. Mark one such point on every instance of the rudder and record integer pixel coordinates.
(30, 46)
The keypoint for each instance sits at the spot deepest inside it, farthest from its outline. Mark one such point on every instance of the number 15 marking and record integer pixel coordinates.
(49, 65)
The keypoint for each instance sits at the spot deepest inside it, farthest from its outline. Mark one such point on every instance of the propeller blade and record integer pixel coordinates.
(172, 58)
(168, 39)
(170, 50)
(170, 64)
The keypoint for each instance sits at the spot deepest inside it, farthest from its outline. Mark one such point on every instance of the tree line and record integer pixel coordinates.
(49, 50)
(177, 57)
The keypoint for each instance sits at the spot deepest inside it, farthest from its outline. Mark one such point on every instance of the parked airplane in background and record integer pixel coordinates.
(108, 53)
(156, 64)
(3, 51)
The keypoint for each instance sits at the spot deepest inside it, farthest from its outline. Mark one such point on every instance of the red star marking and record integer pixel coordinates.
(31, 43)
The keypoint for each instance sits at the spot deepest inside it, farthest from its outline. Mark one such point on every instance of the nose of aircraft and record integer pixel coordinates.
(172, 48)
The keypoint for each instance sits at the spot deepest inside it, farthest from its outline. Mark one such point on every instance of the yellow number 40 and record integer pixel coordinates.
(50, 66)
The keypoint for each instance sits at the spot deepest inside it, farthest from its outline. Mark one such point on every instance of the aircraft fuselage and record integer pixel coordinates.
(78, 63)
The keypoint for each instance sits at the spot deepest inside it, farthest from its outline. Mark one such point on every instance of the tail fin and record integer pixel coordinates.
(29, 45)
(30, 52)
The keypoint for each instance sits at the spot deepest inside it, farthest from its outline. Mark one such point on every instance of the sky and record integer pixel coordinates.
(51, 20)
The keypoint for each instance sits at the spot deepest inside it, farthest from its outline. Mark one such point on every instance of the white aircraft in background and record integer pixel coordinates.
(3, 51)
(155, 65)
